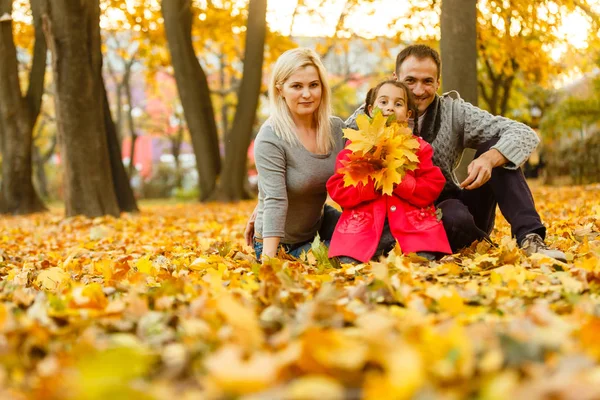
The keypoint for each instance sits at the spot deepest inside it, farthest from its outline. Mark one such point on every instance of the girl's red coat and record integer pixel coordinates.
(409, 209)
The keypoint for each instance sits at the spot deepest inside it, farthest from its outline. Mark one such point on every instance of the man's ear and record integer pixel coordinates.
(395, 76)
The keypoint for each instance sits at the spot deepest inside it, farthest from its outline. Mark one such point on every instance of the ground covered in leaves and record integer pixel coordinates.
(169, 303)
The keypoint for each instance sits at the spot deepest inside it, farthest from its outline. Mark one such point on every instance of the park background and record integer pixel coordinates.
(125, 280)
(173, 84)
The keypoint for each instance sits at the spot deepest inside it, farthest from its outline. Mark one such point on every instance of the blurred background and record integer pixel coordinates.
(177, 89)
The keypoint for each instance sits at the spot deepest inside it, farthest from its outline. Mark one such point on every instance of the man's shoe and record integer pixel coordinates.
(428, 255)
(533, 243)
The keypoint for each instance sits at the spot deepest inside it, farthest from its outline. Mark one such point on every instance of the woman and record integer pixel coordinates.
(295, 152)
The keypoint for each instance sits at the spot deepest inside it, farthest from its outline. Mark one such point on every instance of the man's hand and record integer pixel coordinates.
(480, 169)
(249, 231)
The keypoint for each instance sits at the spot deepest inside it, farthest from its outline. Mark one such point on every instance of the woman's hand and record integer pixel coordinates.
(270, 246)
(249, 231)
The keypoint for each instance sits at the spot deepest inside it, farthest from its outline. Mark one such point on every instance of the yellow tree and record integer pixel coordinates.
(514, 41)
(210, 29)
(81, 107)
(18, 113)
(133, 38)
(345, 45)
(217, 32)
(27, 22)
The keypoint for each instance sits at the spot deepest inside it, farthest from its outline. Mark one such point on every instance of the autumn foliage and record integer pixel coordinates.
(170, 303)
(383, 150)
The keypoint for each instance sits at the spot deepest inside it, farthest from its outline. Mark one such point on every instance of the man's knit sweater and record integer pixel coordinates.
(463, 125)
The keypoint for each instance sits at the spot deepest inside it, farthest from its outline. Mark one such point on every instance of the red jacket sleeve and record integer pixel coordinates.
(422, 186)
(349, 196)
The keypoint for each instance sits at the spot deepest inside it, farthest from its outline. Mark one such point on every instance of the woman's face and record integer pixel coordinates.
(302, 91)
(392, 100)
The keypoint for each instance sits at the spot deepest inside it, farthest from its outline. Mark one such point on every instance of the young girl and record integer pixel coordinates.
(372, 222)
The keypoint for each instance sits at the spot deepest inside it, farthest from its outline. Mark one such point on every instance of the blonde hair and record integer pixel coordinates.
(281, 117)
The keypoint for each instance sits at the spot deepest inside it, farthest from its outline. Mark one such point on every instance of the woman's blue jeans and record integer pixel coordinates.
(330, 219)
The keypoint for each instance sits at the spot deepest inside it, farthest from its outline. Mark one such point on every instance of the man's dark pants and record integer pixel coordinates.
(468, 215)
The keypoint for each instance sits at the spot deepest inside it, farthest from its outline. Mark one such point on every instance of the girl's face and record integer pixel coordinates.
(302, 91)
(392, 100)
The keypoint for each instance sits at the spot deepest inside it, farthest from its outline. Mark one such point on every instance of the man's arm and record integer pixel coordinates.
(516, 142)
(351, 121)
(480, 169)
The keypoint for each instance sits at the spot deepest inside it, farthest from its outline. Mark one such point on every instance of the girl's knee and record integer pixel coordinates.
(455, 213)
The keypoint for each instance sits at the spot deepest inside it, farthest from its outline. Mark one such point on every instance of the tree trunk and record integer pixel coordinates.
(40, 173)
(119, 95)
(119, 127)
(39, 162)
(495, 98)
(17, 117)
(73, 35)
(192, 86)
(131, 124)
(176, 141)
(459, 47)
(506, 89)
(232, 186)
(123, 190)
(223, 94)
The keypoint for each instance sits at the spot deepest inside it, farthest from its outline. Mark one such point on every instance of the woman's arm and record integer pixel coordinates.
(271, 165)
(270, 246)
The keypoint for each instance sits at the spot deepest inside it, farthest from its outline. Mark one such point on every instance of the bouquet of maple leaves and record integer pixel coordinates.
(382, 149)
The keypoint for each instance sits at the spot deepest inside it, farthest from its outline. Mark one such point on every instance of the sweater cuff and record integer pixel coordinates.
(273, 234)
(515, 156)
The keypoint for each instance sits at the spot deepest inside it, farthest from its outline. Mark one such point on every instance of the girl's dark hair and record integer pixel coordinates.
(410, 100)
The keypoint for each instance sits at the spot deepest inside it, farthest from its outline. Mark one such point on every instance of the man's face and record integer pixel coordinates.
(421, 77)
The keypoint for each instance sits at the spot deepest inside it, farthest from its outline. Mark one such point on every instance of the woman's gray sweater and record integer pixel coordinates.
(292, 185)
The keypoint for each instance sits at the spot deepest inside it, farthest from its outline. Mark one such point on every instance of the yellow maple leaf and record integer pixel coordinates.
(380, 152)
(452, 303)
(357, 169)
(242, 319)
(144, 265)
(50, 279)
(233, 373)
(315, 387)
(369, 133)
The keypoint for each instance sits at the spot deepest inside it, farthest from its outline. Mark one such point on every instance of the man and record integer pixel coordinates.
(451, 125)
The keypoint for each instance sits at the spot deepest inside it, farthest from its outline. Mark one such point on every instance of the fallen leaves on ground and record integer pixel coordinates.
(170, 303)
